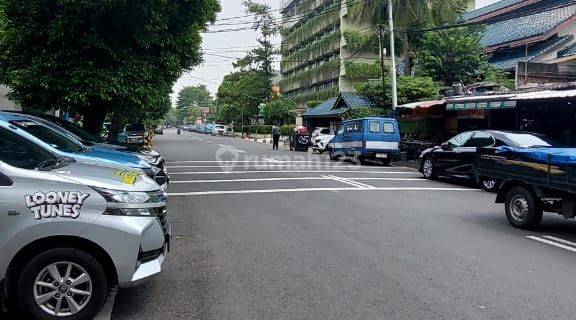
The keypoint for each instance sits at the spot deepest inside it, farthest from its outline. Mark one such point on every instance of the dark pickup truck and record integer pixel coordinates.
(533, 180)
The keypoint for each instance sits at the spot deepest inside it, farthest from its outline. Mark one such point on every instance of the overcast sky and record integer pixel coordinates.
(230, 44)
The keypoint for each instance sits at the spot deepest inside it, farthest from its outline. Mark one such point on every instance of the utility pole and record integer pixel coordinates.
(392, 56)
(382, 54)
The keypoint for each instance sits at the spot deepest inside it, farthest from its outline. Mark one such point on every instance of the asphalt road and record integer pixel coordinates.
(283, 235)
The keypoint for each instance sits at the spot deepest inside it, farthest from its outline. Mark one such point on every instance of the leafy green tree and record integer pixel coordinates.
(97, 57)
(410, 89)
(190, 97)
(408, 15)
(278, 111)
(361, 112)
(243, 92)
(452, 56)
(171, 117)
(192, 114)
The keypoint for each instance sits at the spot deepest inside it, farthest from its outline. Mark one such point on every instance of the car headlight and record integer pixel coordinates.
(127, 197)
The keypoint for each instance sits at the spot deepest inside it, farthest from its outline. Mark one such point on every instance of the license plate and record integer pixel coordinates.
(382, 155)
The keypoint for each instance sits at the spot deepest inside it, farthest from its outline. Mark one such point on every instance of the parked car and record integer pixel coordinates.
(89, 140)
(67, 146)
(133, 134)
(71, 231)
(218, 130)
(368, 138)
(536, 176)
(322, 142)
(319, 131)
(159, 129)
(457, 156)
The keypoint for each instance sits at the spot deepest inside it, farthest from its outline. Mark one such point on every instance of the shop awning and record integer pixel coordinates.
(481, 103)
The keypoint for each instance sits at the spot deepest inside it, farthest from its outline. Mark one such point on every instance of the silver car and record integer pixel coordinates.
(70, 231)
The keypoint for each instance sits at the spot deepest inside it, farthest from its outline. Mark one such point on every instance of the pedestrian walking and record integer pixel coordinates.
(275, 137)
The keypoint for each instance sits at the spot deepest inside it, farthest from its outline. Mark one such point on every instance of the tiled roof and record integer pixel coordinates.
(568, 51)
(353, 100)
(336, 106)
(322, 109)
(489, 9)
(526, 26)
(510, 60)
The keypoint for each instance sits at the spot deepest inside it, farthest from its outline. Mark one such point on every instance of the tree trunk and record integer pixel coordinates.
(115, 128)
(94, 119)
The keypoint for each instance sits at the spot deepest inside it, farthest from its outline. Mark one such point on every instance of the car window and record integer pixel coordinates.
(135, 127)
(341, 129)
(530, 140)
(460, 140)
(480, 140)
(350, 127)
(374, 127)
(325, 131)
(49, 136)
(19, 152)
(389, 127)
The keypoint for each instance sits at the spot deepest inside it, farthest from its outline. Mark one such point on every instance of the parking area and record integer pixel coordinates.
(279, 235)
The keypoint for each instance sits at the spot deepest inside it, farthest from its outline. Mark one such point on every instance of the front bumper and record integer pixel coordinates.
(128, 242)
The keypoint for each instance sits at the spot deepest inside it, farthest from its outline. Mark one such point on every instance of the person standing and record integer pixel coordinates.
(275, 137)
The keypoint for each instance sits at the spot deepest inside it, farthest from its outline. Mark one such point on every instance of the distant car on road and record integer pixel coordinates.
(218, 130)
(457, 156)
(322, 142)
(159, 129)
(133, 134)
(319, 131)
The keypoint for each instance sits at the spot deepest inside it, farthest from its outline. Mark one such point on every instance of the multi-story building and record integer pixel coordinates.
(325, 49)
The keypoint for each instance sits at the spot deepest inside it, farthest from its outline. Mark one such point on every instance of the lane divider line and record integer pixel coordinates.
(226, 192)
(286, 179)
(350, 182)
(289, 171)
(270, 165)
(552, 243)
(570, 243)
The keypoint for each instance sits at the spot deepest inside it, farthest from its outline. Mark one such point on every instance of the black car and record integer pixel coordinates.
(457, 156)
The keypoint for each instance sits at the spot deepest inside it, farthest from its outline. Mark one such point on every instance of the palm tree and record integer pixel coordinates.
(408, 15)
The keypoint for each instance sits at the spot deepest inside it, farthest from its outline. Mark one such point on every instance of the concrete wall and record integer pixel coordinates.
(5, 103)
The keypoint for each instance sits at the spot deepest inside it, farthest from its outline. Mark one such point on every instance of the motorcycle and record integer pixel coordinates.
(179, 131)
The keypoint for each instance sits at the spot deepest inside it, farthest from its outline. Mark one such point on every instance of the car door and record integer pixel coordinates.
(356, 138)
(480, 139)
(449, 158)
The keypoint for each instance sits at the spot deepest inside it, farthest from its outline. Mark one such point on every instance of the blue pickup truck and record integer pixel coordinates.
(537, 176)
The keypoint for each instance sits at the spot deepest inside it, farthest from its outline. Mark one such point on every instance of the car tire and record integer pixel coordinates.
(333, 155)
(38, 271)
(523, 209)
(428, 168)
(490, 185)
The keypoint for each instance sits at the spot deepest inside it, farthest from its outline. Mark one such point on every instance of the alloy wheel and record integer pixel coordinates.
(62, 289)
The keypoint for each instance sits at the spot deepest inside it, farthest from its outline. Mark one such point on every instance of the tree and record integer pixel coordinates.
(408, 15)
(410, 89)
(243, 92)
(171, 117)
(361, 112)
(278, 111)
(190, 97)
(452, 56)
(97, 57)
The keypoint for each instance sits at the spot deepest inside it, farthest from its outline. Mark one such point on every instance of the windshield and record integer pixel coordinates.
(83, 134)
(530, 140)
(49, 136)
(135, 127)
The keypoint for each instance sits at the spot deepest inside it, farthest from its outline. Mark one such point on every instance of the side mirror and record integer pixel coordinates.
(445, 146)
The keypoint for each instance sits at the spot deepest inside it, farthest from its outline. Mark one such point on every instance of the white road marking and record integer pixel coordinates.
(289, 171)
(286, 179)
(264, 164)
(106, 312)
(200, 193)
(264, 160)
(249, 180)
(552, 243)
(348, 182)
(570, 243)
(240, 151)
